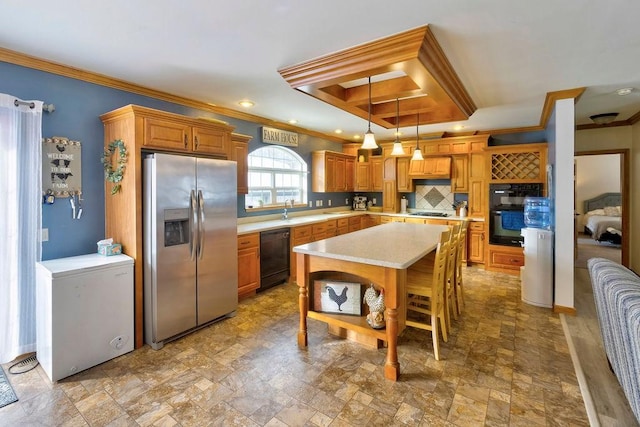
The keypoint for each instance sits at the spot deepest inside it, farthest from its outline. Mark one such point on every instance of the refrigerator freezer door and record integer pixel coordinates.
(217, 267)
(170, 271)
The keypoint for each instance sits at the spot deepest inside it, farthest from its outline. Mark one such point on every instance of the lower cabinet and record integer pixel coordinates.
(299, 236)
(476, 242)
(355, 223)
(342, 226)
(248, 264)
(507, 259)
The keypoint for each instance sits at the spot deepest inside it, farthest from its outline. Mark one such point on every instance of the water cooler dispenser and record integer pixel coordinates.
(537, 273)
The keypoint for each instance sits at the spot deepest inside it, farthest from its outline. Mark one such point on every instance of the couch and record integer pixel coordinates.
(616, 291)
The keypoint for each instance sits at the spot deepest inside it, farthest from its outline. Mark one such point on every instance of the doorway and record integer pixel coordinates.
(599, 177)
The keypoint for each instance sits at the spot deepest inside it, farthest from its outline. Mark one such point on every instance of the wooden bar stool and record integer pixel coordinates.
(425, 292)
(457, 279)
(450, 304)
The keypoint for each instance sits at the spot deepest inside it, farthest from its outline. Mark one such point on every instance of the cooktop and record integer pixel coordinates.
(441, 214)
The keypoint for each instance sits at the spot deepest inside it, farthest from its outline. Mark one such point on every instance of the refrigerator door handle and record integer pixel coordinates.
(200, 224)
(194, 225)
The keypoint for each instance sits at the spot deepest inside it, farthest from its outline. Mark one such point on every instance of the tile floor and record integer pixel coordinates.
(506, 364)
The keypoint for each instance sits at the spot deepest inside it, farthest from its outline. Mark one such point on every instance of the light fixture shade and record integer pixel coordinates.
(397, 149)
(417, 155)
(369, 142)
(604, 118)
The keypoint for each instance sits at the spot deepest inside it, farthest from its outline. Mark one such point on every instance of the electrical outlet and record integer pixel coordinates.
(317, 203)
(346, 202)
(374, 201)
(329, 202)
(44, 234)
(310, 203)
(320, 203)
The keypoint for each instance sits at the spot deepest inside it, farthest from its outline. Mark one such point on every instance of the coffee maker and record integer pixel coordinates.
(360, 203)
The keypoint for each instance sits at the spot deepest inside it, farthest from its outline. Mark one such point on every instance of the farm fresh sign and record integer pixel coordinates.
(279, 137)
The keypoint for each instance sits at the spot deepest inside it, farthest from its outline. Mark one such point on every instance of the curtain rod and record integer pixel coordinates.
(49, 108)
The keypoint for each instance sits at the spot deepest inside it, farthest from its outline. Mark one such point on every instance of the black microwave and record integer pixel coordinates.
(506, 197)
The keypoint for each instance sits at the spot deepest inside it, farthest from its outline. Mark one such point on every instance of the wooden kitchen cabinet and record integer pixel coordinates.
(506, 259)
(519, 163)
(240, 153)
(460, 173)
(476, 242)
(179, 133)
(298, 236)
(431, 167)
(342, 226)
(405, 183)
(355, 223)
(363, 176)
(332, 172)
(331, 228)
(376, 173)
(368, 176)
(142, 128)
(248, 264)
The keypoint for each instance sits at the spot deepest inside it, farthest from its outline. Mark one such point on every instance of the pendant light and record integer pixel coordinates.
(397, 146)
(369, 142)
(417, 154)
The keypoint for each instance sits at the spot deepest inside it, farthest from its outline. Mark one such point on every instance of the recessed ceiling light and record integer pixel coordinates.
(624, 91)
(458, 127)
(338, 131)
(246, 103)
(293, 121)
(397, 133)
(357, 136)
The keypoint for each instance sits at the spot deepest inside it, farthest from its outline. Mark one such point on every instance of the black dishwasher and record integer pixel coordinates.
(274, 257)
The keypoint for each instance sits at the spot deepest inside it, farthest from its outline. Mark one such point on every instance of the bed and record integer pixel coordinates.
(603, 217)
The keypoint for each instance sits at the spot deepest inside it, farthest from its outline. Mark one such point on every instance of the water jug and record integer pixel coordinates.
(537, 212)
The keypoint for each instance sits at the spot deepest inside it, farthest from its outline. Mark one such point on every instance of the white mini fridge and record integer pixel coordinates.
(84, 312)
(537, 273)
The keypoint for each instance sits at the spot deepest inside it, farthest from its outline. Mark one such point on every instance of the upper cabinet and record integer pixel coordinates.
(172, 132)
(240, 153)
(521, 163)
(332, 172)
(431, 167)
(460, 173)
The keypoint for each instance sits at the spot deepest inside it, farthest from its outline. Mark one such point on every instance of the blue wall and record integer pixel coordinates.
(77, 117)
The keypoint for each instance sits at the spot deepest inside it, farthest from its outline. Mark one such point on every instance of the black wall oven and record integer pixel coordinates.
(506, 211)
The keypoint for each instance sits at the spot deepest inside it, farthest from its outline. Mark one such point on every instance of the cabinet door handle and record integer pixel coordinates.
(482, 237)
(186, 143)
(197, 143)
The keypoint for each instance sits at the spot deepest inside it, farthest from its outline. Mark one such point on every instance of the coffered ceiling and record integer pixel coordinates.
(412, 82)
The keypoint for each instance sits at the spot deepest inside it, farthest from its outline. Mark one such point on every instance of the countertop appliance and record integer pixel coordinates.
(274, 257)
(190, 244)
(360, 203)
(85, 312)
(537, 272)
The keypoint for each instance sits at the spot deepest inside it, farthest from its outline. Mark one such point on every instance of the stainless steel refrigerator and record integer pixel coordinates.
(190, 244)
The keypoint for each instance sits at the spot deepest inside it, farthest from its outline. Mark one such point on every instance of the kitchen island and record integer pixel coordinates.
(380, 255)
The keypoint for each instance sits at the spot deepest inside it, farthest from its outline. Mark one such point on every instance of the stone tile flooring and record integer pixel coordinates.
(506, 364)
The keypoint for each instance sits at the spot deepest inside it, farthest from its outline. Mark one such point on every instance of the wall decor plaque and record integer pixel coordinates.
(331, 296)
(61, 167)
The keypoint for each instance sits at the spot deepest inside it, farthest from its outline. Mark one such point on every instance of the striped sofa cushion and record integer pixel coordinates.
(616, 292)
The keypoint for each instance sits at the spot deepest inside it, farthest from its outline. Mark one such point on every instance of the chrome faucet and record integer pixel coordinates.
(284, 214)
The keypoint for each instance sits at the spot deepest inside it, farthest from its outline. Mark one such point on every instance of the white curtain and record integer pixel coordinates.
(20, 222)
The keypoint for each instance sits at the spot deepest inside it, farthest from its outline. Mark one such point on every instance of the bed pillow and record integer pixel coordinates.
(596, 212)
(611, 211)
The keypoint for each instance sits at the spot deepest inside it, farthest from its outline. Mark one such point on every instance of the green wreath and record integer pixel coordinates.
(111, 175)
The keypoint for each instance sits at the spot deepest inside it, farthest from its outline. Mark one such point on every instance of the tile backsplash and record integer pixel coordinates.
(437, 197)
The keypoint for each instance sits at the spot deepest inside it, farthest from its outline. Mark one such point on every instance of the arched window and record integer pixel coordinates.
(276, 175)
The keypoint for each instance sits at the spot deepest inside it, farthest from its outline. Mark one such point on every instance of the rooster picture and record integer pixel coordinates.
(338, 299)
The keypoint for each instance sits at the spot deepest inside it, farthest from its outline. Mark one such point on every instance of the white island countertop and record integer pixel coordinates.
(395, 244)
